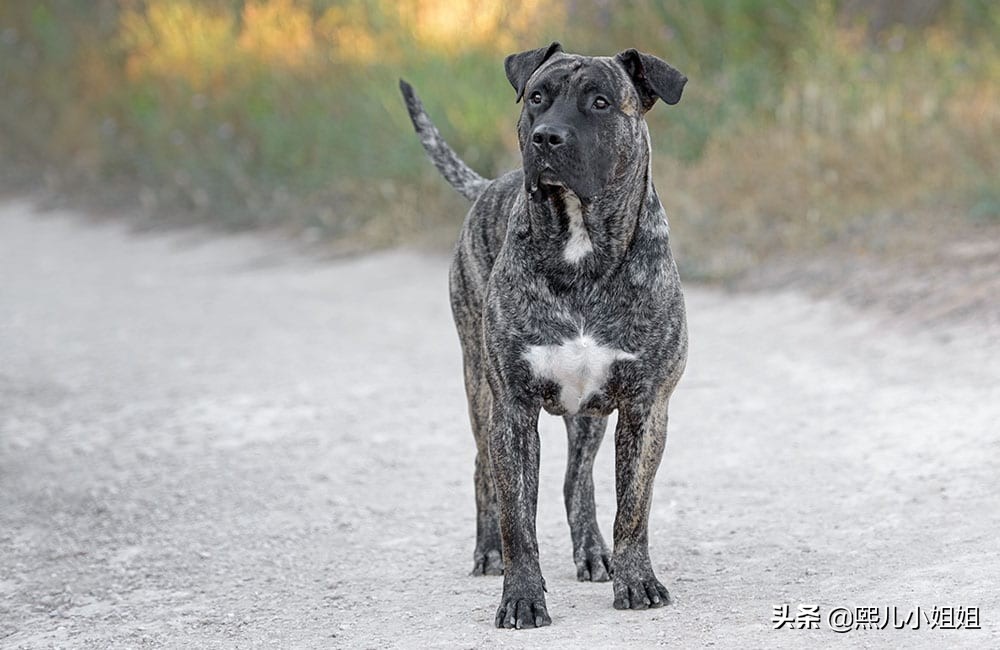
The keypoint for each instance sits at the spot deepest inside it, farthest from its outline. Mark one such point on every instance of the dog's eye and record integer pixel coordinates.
(600, 103)
(536, 97)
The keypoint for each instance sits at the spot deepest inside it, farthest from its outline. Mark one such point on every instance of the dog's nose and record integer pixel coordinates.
(549, 136)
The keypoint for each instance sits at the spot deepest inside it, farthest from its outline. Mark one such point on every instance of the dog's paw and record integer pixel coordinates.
(641, 592)
(522, 608)
(487, 563)
(593, 563)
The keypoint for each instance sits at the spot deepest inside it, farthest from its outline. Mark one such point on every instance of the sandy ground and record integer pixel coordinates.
(216, 442)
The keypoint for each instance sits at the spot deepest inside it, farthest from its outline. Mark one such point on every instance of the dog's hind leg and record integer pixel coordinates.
(593, 562)
(466, 284)
(488, 556)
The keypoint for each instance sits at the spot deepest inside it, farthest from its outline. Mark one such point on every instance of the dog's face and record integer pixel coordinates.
(579, 113)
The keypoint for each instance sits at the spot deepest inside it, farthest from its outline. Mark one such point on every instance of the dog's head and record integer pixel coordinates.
(582, 115)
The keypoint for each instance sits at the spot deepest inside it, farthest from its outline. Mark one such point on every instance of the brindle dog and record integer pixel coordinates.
(566, 297)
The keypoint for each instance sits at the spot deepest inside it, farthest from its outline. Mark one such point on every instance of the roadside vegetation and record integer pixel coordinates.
(803, 123)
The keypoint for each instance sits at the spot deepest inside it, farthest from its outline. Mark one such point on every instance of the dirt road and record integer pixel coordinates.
(215, 442)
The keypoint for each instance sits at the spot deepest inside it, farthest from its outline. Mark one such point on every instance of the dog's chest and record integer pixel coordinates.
(579, 366)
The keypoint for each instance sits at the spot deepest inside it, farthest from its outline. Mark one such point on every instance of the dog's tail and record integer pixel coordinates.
(468, 183)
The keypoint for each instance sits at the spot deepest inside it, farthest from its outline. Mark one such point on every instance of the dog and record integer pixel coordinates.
(566, 297)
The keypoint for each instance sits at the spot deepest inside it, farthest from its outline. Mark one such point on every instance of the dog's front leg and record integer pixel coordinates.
(639, 441)
(514, 452)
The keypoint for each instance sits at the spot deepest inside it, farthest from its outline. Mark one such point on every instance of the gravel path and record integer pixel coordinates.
(215, 442)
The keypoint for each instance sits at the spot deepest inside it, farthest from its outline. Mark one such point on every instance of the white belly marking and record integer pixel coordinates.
(580, 367)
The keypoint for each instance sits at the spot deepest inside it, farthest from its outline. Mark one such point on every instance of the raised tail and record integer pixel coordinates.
(468, 183)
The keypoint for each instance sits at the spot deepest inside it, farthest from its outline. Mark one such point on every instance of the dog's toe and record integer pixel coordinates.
(594, 567)
(521, 614)
(643, 593)
(489, 563)
(593, 562)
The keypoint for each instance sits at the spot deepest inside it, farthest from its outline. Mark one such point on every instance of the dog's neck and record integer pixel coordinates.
(586, 238)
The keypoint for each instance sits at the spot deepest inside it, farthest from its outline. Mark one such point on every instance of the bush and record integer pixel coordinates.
(800, 116)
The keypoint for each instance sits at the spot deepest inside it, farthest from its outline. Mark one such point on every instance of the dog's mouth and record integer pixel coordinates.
(549, 177)
(542, 178)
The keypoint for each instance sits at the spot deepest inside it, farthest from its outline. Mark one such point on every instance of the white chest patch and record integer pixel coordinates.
(578, 244)
(580, 367)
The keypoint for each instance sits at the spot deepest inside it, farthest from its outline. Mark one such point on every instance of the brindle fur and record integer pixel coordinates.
(512, 287)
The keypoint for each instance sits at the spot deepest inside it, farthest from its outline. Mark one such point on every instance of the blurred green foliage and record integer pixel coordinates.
(287, 111)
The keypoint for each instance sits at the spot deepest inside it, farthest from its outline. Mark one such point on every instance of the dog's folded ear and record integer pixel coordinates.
(652, 77)
(521, 66)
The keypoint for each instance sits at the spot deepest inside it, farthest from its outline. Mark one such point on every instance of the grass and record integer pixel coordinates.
(800, 123)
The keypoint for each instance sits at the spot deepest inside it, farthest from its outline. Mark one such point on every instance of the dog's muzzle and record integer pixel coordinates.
(547, 138)
(547, 157)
